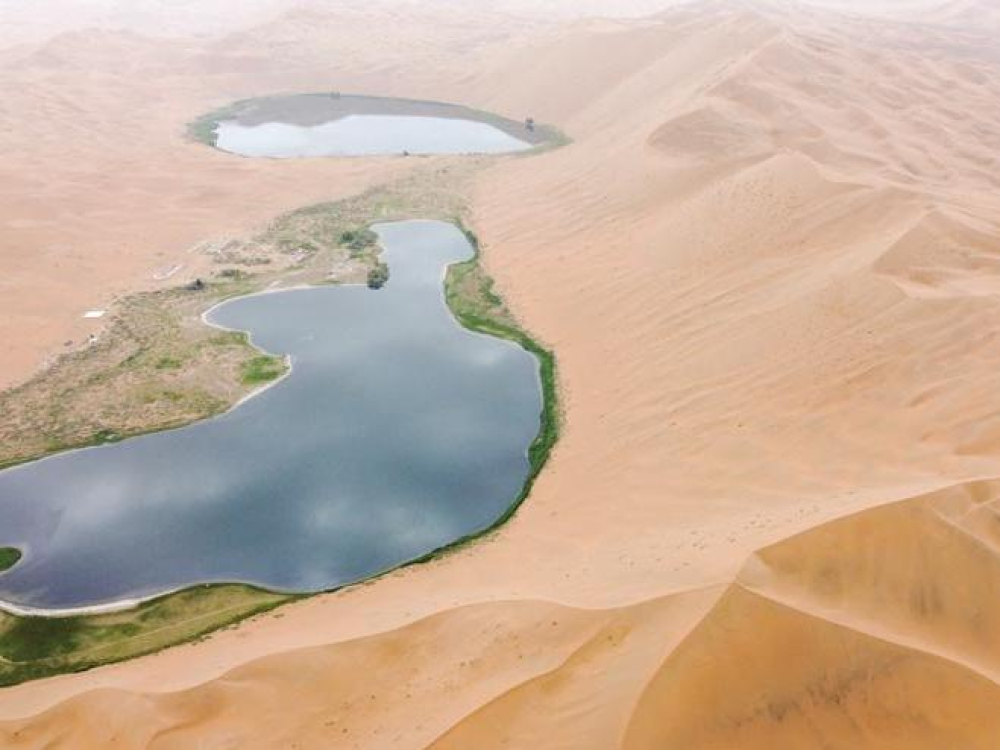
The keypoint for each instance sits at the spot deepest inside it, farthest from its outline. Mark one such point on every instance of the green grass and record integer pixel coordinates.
(33, 639)
(169, 363)
(262, 369)
(203, 129)
(474, 303)
(36, 647)
(9, 557)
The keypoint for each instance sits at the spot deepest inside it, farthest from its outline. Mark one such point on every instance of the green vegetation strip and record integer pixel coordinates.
(204, 128)
(36, 647)
(470, 295)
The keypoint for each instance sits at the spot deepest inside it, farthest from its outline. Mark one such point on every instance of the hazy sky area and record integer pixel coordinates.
(22, 21)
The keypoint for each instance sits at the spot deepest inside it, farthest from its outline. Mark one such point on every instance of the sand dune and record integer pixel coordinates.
(768, 266)
(504, 655)
(885, 622)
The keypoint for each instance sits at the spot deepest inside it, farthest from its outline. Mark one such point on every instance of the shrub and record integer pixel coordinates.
(359, 240)
(378, 276)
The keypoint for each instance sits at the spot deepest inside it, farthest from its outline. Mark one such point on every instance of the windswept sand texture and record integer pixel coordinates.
(769, 265)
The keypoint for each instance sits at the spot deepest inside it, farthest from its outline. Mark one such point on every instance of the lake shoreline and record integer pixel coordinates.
(464, 317)
(313, 109)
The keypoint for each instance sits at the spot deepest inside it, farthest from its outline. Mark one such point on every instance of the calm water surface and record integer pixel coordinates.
(397, 431)
(367, 135)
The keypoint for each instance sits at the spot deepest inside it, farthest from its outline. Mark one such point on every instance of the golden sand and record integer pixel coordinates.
(769, 266)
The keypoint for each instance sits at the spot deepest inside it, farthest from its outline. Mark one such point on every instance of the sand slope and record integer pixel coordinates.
(768, 265)
(884, 622)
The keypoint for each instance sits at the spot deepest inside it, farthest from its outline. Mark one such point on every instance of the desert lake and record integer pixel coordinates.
(397, 431)
(315, 125)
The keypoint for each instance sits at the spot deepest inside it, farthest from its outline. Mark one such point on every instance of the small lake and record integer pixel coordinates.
(367, 135)
(398, 431)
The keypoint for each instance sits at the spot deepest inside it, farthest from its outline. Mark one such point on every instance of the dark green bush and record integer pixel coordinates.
(359, 240)
(378, 276)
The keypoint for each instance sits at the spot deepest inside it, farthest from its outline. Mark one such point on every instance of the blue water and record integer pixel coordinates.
(397, 431)
(367, 135)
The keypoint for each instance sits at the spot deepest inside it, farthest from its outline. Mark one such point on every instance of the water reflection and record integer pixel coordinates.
(397, 432)
(367, 135)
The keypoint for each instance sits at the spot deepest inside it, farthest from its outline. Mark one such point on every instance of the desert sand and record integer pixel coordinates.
(769, 265)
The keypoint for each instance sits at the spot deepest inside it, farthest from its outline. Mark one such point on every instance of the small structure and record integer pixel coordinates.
(529, 124)
(195, 286)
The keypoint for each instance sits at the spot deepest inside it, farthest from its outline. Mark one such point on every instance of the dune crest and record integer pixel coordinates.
(885, 620)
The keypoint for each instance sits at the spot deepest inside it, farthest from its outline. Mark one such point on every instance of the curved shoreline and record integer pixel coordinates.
(317, 108)
(537, 452)
(287, 359)
(95, 609)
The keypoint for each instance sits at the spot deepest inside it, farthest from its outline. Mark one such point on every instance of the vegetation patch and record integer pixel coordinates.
(262, 369)
(378, 276)
(475, 304)
(359, 240)
(204, 128)
(156, 367)
(167, 362)
(36, 647)
(9, 557)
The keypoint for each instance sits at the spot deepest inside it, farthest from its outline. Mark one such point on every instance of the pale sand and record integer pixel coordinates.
(769, 267)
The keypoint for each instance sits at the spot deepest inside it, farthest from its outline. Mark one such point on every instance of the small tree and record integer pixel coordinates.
(378, 276)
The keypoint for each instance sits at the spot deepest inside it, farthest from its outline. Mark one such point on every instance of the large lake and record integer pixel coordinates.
(397, 432)
(367, 135)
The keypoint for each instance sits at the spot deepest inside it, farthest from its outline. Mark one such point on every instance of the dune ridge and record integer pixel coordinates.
(767, 267)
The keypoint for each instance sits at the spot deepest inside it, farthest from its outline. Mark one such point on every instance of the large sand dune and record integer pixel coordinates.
(769, 266)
